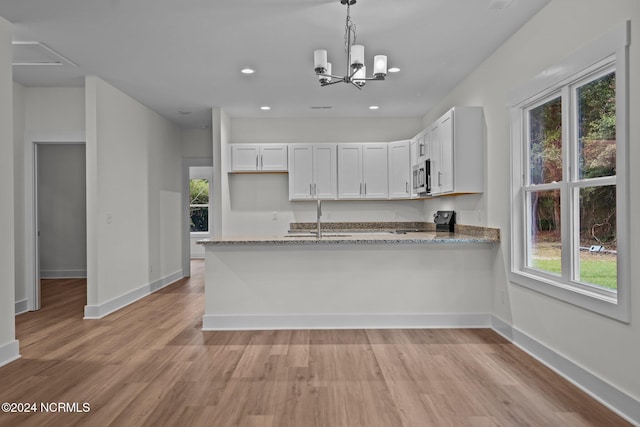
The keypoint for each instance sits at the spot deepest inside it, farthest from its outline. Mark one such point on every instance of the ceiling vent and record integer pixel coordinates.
(36, 53)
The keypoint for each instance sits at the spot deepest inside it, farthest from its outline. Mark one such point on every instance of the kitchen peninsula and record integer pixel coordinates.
(350, 278)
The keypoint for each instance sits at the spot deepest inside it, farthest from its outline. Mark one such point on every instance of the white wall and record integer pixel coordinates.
(19, 111)
(608, 349)
(134, 212)
(54, 109)
(253, 200)
(8, 343)
(196, 143)
(41, 114)
(62, 224)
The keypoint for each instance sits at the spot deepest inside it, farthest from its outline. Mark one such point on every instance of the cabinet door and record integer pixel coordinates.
(399, 170)
(300, 171)
(434, 145)
(413, 150)
(244, 157)
(273, 157)
(375, 170)
(446, 153)
(350, 171)
(325, 173)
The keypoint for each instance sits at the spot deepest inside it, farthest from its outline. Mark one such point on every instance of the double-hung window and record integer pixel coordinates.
(570, 215)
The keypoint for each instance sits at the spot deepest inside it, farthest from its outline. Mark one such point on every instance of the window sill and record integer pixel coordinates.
(596, 302)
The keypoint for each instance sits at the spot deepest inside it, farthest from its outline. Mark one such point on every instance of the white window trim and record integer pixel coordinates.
(209, 177)
(550, 82)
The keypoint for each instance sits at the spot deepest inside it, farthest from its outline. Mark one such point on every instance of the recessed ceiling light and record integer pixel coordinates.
(373, 107)
(184, 113)
(265, 107)
(247, 71)
(394, 70)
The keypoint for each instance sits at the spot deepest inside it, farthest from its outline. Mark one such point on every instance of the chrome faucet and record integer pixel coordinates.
(318, 215)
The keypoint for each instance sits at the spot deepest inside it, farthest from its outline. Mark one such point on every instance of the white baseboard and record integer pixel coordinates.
(9, 352)
(108, 307)
(619, 402)
(344, 321)
(63, 274)
(22, 306)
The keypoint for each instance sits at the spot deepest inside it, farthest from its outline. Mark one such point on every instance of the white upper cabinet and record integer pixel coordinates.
(244, 157)
(325, 171)
(400, 170)
(350, 171)
(312, 171)
(258, 157)
(363, 171)
(456, 150)
(273, 157)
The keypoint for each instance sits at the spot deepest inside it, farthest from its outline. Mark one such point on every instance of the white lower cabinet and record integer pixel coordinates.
(363, 171)
(312, 171)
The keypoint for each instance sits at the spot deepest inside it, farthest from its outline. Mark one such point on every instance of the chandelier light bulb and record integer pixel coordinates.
(360, 75)
(326, 77)
(320, 61)
(380, 66)
(357, 56)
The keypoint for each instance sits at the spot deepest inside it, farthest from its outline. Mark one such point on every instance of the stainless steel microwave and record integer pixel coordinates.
(421, 177)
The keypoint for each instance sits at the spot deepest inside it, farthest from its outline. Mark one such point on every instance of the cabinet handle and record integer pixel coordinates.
(365, 188)
(257, 165)
(310, 189)
(439, 183)
(261, 161)
(315, 190)
(406, 187)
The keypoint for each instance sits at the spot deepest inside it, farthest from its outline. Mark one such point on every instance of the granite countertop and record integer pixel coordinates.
(366, 233)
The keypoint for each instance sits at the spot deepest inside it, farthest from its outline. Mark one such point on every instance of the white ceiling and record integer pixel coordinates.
(186, 55)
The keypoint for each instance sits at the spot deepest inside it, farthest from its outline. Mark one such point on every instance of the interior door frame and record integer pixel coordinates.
(187, 162)
(32, 249)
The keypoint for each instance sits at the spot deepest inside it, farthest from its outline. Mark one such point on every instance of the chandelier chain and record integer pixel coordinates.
(349, 25)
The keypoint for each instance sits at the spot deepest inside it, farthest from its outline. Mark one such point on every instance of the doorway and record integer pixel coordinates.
(200, 221)
(60, 217)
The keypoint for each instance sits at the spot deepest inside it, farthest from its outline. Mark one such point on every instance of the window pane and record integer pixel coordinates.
(598, 241)
(597, 127)
(545, 142)
(544, 231)
(199, 192)
(199, 218)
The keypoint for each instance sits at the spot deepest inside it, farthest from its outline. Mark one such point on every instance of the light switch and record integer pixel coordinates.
(108, 218)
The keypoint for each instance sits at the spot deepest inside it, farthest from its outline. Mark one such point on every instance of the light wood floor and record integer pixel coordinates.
(150, 364)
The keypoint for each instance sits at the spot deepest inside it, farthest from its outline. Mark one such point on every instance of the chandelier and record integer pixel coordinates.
(356, 70)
